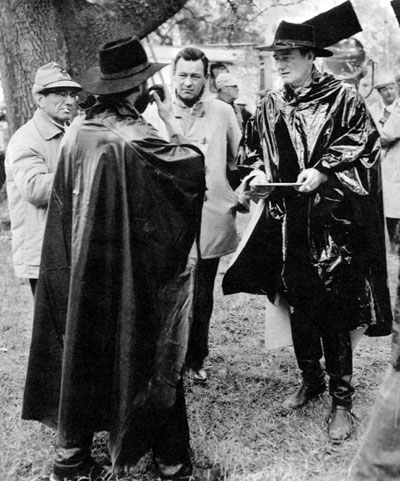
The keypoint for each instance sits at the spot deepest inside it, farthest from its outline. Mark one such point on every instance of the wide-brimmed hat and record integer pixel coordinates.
(384, 79)
(52, 76)
(296, 35)
(123, 65)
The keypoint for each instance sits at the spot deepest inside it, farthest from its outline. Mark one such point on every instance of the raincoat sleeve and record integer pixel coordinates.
(355, 137)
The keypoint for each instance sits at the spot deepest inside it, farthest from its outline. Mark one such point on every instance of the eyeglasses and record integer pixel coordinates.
(63, 93)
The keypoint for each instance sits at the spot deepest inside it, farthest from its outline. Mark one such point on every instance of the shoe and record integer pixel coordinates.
(90, 471)
(193, 473)
(304, 393)
(200, 376)
(340, 424)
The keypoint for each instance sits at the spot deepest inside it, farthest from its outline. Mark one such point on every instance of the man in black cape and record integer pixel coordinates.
(319, 244)
(114, 299)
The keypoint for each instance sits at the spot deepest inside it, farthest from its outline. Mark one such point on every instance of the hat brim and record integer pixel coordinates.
(385, 84)
(319, 52)
(60, 84)
(94, 84)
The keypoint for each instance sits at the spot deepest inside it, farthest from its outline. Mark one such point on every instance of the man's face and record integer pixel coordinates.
(388, 93)
(232, 92)
(189, 78)
(293, 67)
(58, 103)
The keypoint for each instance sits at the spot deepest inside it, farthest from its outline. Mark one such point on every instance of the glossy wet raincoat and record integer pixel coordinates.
(113, 307)
(325, 250)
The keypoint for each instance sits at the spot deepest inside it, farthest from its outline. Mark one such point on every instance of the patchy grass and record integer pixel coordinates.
(235, 420)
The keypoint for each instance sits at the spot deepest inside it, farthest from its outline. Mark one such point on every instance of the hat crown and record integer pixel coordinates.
(225, 79)
(296, 33)
(52, 75)
(121, 57)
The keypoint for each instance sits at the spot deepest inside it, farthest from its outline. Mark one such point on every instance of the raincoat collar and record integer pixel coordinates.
(321, 83)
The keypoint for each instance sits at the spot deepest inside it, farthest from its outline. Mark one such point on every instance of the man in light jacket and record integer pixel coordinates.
(386, 115)
(31, 159)
(211, 125)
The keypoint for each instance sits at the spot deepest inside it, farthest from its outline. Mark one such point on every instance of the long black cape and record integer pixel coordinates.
(114, 299)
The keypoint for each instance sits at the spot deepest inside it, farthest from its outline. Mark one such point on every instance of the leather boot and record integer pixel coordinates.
(340, 424)
(312, 386)
(339, 365)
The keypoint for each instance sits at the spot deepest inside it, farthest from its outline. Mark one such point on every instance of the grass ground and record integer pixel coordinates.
(236, 419)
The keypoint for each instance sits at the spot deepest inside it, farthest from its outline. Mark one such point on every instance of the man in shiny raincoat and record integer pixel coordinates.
(114, 299)
(320, 244)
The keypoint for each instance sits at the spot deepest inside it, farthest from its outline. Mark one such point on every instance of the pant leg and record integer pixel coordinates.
(339, 366)
(171, 446)
(33, 283)
(307, 347)
(392, 225)
(72, 452)
(165, 431)
(203, 306)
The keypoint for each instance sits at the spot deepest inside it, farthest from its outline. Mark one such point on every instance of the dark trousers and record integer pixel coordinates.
(202, 310)
(310, 345)
(165, 431)
(393, 225)
(33, 283)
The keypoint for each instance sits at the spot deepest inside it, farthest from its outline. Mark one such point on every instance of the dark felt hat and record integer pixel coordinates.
(296, 35)
(123, 65)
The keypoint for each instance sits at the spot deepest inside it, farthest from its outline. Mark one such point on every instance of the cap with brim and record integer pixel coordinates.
(52, 76)
(295, 35)
(383, 80)
(123, 65)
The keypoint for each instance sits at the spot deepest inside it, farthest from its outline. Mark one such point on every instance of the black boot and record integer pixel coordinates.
(340, 424)
(339, 365)
(312, 386)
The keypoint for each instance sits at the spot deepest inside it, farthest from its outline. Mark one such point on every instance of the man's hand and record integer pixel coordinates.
(310, 180)
(259, 188)
(164, 107)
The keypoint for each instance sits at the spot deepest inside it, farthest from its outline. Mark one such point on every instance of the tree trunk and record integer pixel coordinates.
(69, 32)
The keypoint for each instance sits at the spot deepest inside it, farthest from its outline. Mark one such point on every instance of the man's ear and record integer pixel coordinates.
(38, 98)
(310, 56)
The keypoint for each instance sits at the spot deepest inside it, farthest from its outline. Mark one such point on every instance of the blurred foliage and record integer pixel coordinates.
(213, 21)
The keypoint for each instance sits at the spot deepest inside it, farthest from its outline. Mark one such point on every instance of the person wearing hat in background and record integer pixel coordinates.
(386, 114)
(115, 292)
(228, 91)
(319, 243)
(30, 163)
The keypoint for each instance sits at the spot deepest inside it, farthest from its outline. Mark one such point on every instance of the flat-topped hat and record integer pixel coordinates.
(384, 79)
(296, 35)
(123, 65)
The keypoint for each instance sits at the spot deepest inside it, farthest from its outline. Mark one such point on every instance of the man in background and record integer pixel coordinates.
(228, 91)
(31, 160)
(386, 114)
